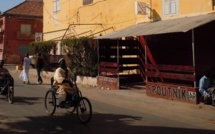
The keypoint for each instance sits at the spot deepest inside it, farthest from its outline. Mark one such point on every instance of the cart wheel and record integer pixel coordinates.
(50, 102)
(10, 95)
(84, 110)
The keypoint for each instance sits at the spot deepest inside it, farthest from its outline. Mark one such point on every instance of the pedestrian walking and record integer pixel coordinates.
(39, 66)
(25, 72)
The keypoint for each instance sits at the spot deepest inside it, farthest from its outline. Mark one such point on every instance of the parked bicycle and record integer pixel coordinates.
(75, 102)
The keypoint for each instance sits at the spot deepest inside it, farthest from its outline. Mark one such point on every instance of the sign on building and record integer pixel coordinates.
(140, 8)
(38, 37)
(172, 92)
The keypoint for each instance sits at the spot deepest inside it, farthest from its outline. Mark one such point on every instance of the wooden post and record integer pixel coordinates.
(193, 52)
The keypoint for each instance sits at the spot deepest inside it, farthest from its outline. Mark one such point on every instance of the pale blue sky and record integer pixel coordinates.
(8, 4)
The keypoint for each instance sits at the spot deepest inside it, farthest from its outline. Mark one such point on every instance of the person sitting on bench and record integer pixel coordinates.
(206, 87)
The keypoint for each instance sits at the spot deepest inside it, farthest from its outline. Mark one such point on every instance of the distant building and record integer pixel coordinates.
(18, 27)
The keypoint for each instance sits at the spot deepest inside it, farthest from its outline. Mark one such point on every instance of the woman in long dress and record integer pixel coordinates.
(25, 72)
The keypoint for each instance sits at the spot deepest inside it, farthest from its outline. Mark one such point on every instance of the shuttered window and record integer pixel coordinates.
(56, 6)
(85, 2)
(170, 7)
(25, 29)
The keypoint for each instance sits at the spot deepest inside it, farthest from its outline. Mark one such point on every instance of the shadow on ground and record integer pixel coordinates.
(27, 100)
(100, 124)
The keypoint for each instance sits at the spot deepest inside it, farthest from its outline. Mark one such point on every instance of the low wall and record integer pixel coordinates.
(80, 79)
(107, 82)
(172, 92)
(87, 80)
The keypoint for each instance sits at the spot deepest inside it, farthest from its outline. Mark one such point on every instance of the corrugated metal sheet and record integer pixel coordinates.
(161, 27)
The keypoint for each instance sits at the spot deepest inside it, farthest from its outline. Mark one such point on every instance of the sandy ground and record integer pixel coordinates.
(136, 99)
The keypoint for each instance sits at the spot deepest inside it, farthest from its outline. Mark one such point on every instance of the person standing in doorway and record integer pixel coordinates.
(39, 66)
(25, 72)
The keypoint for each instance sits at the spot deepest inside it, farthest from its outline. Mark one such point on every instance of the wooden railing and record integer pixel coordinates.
(108, 68)
(176, 72)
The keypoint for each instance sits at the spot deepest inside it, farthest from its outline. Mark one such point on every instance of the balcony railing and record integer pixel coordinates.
(25, 36)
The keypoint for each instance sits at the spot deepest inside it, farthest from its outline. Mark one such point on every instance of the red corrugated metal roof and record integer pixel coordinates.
(28, 7)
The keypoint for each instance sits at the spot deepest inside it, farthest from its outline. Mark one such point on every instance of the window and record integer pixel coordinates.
(23, 49)
(85, 2)
(56, 6)
(170, 7)
(25, 29)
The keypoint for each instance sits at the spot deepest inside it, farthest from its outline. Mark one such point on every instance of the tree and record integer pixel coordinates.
(44, 48)
(82, 55)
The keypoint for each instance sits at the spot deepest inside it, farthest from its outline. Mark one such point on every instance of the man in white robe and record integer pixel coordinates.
(26, 67)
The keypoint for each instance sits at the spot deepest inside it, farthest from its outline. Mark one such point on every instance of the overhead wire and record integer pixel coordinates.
(75, 15)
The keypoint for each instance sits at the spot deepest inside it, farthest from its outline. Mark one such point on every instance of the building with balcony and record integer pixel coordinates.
(18, 27)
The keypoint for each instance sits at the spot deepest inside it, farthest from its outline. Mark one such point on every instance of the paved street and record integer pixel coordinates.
(128, 111)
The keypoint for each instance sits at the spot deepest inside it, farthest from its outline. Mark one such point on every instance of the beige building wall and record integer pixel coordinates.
(102, 15)
(106, 16)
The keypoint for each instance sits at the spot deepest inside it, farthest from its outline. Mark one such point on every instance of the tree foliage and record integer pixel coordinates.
(82, 55)
(44, 48)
